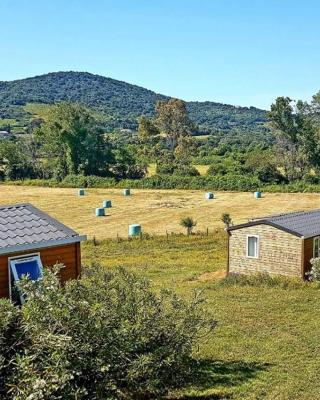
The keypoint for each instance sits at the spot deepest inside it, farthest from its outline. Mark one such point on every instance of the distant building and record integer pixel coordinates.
(278, 245)
(126, 130)
(5, 135)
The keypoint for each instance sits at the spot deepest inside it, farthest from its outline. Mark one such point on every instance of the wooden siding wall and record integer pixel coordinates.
(308, 254)
(280, 253)
(68, 255)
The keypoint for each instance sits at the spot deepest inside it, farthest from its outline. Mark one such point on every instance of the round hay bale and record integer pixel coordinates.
(100, 212)
(209, 195)
(126, 192)
(81, 192)
(257, 195)
(106, 204)
(134, 230)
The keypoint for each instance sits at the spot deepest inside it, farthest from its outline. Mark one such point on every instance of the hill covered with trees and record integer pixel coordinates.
(119, 104)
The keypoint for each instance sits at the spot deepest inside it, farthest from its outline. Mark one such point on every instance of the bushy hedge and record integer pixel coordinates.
(107, 336)
(228, 182)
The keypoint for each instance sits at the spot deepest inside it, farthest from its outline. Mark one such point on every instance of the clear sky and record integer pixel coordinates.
(242, 52)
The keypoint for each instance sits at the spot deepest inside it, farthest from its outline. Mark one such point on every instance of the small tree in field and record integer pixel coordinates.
(226, 219)
(188, 223)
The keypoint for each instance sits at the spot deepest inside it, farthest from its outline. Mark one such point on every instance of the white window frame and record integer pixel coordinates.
(258, 246)
(12, 261)
(315, 239)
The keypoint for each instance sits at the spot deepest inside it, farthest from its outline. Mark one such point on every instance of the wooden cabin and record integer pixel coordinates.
(31, 240)
(278, 245)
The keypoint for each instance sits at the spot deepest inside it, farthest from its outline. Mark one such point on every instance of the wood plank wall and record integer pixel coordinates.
(68, 255)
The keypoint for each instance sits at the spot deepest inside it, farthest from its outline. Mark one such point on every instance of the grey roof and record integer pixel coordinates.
(23, 226)
(302, 223)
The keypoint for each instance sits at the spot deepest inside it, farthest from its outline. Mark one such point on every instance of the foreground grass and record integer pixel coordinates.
(267, 344)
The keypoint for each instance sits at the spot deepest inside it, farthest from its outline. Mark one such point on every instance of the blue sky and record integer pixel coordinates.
(233, 51)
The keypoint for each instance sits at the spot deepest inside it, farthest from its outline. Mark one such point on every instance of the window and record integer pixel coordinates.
(29, 266)
(252, 246)
(316, 247)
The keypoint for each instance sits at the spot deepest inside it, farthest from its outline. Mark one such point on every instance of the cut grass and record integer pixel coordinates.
(157, 210)
(266, 345)
(203, 169)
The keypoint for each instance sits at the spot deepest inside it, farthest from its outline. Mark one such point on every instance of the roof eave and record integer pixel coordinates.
(42, 245)
(264, 222)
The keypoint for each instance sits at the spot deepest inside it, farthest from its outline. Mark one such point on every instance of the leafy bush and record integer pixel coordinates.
(314, 274)
(9, 343)
(165, 168)
(107, 336)
(189, 223)
(176, 169)
(186, 170)
(226, 219)
(217, 169)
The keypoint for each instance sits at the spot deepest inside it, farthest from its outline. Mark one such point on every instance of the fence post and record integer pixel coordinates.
(207, 231)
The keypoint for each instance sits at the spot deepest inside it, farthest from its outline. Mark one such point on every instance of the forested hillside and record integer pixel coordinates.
(119, 103)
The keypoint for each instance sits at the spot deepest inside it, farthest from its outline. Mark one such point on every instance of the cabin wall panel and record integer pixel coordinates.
(68, 255)
(280, 253)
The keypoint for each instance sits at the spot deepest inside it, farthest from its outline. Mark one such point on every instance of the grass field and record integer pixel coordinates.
(267, 343)
(201, 168)
(156, 210)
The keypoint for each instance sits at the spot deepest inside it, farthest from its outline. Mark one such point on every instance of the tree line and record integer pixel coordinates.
(71, 142)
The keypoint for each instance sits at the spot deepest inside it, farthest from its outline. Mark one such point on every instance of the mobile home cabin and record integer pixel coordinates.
(31, 240)
(280, 244)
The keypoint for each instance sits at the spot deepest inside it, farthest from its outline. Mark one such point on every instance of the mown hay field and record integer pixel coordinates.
(157, 211)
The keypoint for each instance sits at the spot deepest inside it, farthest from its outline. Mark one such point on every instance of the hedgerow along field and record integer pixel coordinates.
(157, 211)
(266, 345)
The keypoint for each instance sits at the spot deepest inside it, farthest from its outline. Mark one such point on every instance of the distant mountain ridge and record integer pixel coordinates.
(121, 103)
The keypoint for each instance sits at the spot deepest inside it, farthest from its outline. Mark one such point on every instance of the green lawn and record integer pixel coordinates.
(267, 343)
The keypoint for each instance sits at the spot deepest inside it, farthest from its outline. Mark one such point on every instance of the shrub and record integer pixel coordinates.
(186, 170)
(107, 336)
(217, 169)
(226, 219)
(9, 343)
(165, 168)
(314, 274)
(188, 223)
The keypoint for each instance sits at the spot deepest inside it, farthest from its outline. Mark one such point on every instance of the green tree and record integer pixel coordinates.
(147, 129)
(189, 223)
(226, 219)
(289, 123)
(126, 164)
(173, 121)
(72, 142)
(16, 160)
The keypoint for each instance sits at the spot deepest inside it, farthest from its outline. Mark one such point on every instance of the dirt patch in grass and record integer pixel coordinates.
(212, 276)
